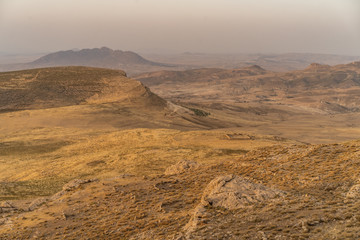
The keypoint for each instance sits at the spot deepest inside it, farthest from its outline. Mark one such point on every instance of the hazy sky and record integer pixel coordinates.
(214, 26)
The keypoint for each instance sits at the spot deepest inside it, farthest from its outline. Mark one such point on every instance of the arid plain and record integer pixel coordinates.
(207, 153)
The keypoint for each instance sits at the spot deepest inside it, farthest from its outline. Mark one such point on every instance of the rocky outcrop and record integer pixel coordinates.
(233, 192)
(229, 192)
(70, 186)
(181, 167)
(73, 184)
(354, 192)
(6, 207)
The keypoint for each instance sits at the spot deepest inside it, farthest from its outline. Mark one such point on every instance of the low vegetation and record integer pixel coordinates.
(105, 158)
(199, 112)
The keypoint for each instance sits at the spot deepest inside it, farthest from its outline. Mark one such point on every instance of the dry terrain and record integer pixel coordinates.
(274, 62)
(88, 153)
(133, 63)
(318, 104)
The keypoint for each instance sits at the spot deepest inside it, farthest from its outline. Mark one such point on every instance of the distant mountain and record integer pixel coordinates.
(132, 63)
(99, 57)
(104, 57)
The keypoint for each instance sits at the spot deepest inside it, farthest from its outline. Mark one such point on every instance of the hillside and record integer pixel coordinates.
(321, 87)
(135, 184)
(319, 104)
(90, 153)
(87, 98)
(66, 86)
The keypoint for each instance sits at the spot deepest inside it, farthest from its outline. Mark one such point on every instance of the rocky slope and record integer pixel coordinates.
(299, 192)
(89, 153)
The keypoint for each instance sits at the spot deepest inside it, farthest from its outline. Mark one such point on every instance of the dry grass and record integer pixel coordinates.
(314, 178)
(42, 149)
(43, 154)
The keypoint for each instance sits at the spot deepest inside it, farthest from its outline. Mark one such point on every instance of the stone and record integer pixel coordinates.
(181, 167)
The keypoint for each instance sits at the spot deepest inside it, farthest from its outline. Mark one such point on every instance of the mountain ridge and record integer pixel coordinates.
(93, 56)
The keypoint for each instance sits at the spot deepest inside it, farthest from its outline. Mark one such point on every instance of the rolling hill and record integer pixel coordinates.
(320, 87)
(88, 98)
(92, 154)
(317, 104)
(66, 86)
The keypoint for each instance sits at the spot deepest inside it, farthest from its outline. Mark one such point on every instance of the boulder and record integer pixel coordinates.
(229, 192)
(354, 192)
(233, 192)
(181, 167)
(73, 184)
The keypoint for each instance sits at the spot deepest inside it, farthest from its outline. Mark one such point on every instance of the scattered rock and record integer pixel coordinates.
(181, 167)
(95, 163)
(121, 176)
(6, 222)
(262, 235)
(165, 185)
(66, 215)
(6, 204)
(304, 227)
(37, 203)
(167, 206)
(6, 207)
(143, 235)
(229, 192)
(354, 192)
(73, 184)
(199, 216)
(233, 192)
(239, 136)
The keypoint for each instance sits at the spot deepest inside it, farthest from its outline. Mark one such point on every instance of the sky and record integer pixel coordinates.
(176, 26)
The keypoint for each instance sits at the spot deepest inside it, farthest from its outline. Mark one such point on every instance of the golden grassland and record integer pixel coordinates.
(133, 199)
(54, 156)
(94, 165)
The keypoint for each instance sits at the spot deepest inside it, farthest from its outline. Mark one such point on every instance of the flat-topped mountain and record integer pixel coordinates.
(104, 57)
(97, 57)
